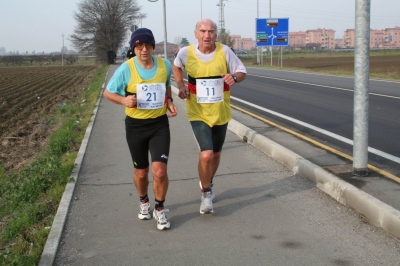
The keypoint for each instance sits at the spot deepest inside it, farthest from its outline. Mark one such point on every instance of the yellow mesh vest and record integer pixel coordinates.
(161, 76)
(210, 113)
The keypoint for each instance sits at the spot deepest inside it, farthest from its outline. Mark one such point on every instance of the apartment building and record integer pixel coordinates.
(319, 38)
(297, 39)
(248, 44)
(242, 43)
(389, 37)
(237, 42)
(349, 38)
(377, 38)
(325, 38)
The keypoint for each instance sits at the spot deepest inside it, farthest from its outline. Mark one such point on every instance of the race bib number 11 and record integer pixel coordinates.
(210, 90)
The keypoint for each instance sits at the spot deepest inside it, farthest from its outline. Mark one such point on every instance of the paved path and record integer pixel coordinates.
(264, 213)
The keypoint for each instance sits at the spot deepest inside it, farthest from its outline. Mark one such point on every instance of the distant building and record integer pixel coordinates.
(242, 43)
(392, 37)
(319, 38)
(339, 44)
(236, 42)
(349, 38)
(377, 38)
(248, 44)
(172, 49)
(389, 37)
(297, 40)
(325, 38)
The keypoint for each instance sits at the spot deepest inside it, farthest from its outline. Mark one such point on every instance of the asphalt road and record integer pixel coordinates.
(326, 102)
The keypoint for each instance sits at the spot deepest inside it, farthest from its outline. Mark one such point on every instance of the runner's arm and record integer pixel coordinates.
(178, 76)
(128, 101)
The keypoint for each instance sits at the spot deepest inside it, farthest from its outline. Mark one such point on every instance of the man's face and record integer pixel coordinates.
(144, 51)
(206, 35)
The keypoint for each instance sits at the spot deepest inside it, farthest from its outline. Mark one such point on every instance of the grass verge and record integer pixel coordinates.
(29, 197)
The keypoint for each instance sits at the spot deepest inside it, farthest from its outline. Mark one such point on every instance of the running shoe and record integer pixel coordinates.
(144, 212)
(206, 206)
(161, 218)
(212, 193)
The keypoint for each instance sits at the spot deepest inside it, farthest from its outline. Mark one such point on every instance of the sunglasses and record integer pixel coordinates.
(141, 45)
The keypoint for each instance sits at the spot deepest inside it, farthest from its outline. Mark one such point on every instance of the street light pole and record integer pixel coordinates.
(201, 9)
(258, 48)
(141, 16)
(165, 31)
(165, 28)
(270, 48)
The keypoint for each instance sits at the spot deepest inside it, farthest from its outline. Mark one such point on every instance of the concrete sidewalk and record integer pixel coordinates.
(266, 212)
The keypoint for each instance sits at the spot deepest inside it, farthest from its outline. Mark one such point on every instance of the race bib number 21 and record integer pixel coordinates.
(150, 96)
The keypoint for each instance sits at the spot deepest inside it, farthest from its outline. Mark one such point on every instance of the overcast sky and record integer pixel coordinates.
(38, 25)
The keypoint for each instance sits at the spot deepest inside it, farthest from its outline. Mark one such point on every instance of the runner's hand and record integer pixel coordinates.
(130, 101)
(183, 92)
(228, 79)
(172, 109)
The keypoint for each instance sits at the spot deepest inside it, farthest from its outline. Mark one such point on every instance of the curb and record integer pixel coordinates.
(377, 212)
(53, 240)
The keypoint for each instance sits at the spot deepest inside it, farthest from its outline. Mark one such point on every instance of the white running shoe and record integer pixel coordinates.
(161, 218)
(206, 206)
(212, 193)
(144, 212)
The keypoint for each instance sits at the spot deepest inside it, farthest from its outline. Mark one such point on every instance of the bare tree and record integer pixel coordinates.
(102, 25)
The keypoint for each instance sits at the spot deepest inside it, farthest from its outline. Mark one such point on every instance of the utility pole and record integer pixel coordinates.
(62, 51)
(361, 88)
(221, 15)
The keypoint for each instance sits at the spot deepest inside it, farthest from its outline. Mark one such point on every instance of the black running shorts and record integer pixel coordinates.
(209, 138)
(144, 135)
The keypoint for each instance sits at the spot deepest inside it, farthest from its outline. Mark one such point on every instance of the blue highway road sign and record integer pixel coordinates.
(272, 31)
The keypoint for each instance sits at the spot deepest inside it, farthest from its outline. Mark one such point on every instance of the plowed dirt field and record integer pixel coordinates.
(28, 97)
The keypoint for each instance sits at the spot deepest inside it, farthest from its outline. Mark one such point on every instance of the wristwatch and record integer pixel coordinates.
(169, 97)
(234, 77)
